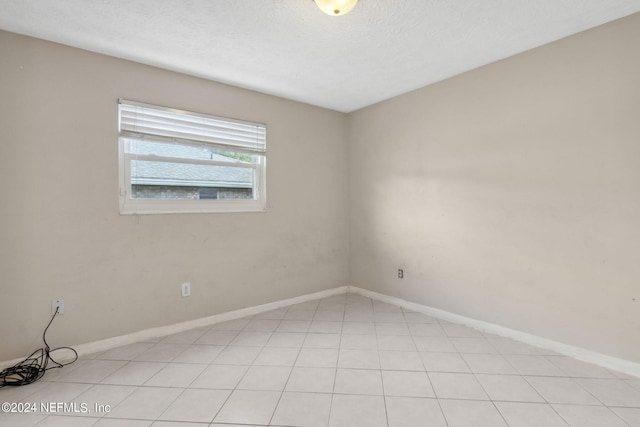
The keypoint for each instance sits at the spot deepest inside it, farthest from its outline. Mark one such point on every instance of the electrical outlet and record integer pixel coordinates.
(400, 273)
(186, 289)
(57, 304)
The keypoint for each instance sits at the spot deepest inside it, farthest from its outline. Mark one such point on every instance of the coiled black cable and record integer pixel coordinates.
(35, 365)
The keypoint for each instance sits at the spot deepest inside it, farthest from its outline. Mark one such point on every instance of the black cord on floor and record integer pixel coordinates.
(35, 365)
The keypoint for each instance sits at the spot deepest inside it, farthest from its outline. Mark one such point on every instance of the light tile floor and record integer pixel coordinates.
(345, 360)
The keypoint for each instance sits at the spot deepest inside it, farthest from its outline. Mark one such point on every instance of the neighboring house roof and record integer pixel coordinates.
(146, 172)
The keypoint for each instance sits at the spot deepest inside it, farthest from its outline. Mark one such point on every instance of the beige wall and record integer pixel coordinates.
(61, 232)
(511, 194)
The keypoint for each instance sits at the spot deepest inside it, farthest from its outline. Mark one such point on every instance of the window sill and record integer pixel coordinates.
(150, 207)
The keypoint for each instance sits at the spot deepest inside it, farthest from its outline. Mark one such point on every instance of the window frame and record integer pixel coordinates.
(129, 205)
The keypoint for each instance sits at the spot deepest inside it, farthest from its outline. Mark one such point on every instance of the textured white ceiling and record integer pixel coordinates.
(289, 48)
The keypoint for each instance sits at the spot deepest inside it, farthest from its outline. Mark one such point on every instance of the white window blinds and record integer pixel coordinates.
(148, 122)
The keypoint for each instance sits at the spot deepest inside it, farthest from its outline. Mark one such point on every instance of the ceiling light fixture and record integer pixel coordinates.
(336, 7)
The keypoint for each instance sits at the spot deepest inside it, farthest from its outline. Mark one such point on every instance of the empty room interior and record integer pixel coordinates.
(227, 213)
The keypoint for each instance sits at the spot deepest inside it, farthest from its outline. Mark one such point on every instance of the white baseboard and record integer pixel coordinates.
(609, 362)
(162, 331)
(616, 364)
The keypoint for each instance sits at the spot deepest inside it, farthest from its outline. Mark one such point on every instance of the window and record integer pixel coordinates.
(178, 161)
